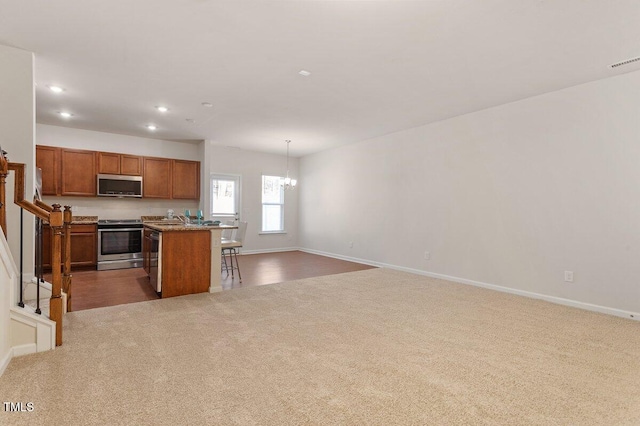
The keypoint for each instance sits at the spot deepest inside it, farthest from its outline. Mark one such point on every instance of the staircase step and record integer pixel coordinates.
(44, 304)
(30, 305)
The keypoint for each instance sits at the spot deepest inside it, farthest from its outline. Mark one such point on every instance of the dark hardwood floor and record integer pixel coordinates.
(95, 289)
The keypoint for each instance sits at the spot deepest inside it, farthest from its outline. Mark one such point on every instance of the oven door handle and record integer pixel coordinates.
(119, 229)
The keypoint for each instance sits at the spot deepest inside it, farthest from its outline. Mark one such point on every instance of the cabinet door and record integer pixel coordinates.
(84, 248)
(186, 180)
(156, 180)
(48, 159)
(130, 165)
(78, 172)
(109, 163)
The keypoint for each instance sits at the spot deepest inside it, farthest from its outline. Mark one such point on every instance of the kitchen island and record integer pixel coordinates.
(182, 258)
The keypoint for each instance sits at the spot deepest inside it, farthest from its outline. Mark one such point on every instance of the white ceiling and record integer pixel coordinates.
(377, 66)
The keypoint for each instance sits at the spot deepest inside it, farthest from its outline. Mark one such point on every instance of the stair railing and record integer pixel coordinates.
(59, 222)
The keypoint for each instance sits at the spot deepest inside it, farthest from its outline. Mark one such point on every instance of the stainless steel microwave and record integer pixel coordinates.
(119, 186)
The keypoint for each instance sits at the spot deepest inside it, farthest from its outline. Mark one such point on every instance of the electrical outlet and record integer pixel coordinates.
(427, 255)
(350, 244)
(568, 276)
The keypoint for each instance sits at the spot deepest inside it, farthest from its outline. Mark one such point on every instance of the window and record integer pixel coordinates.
(225, 196)
(272, 204)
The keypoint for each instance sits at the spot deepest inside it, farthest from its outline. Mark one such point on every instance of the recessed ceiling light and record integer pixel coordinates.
(151, 127)
(65, 114)
(56, 89)
(304, 73)
(162, 108)
(207, 104)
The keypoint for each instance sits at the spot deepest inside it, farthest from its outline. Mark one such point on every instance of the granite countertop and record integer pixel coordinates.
(80, 220)
(153, 218)
(182, 227)
(84, 220)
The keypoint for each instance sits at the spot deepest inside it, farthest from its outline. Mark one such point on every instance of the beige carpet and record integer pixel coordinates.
(371, 347)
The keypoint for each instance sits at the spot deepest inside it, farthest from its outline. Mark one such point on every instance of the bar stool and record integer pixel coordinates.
(231, 247)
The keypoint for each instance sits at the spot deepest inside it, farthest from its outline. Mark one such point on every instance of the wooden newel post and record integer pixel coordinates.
(66, 276)
(4, 171)
(55, 307)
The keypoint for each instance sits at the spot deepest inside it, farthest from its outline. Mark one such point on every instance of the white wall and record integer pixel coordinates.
(108, 142)
(17, 112)
(511, 196)
(251, 166)
(17, 121)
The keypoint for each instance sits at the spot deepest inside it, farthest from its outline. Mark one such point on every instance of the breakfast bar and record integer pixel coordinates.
(182, 258)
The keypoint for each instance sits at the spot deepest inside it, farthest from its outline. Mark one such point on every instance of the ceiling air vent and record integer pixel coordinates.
(626, 62)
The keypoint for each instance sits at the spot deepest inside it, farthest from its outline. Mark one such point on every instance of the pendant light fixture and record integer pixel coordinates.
(288, 182)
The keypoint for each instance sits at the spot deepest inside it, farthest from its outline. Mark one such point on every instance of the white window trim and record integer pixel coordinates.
(262, 204)
(223, 176)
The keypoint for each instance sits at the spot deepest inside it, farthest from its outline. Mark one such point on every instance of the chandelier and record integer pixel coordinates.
(288, 182)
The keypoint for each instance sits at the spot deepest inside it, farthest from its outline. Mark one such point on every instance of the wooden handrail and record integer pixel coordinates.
(44, 206)
(18, 194)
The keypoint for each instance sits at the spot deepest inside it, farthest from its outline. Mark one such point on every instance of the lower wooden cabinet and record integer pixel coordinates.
(84, 246)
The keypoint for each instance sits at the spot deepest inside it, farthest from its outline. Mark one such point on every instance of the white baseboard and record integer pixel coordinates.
(347, 258)
(4, 363)
(271, 250)
(553, 299)
(29, 348)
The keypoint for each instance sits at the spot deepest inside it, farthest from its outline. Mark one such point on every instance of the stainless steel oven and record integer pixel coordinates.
(119, 244)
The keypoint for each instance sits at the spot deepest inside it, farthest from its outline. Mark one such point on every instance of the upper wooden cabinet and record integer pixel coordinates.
(119, 164)
(74, 171)
(48, 160)
(156, 178)
(186, 180)
(130, 165)
(78, 172)
(67, 171)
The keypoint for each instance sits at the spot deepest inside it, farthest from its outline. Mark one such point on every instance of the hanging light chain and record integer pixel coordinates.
(288, 182)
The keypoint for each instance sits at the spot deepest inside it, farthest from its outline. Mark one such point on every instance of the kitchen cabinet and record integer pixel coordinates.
(84, 246)
(48, 160)
(119, 164)
(73, 172)
(183, 258)
(78, 172)
(130, 165)
(67, 171)
(156, 178)
(186, 180)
